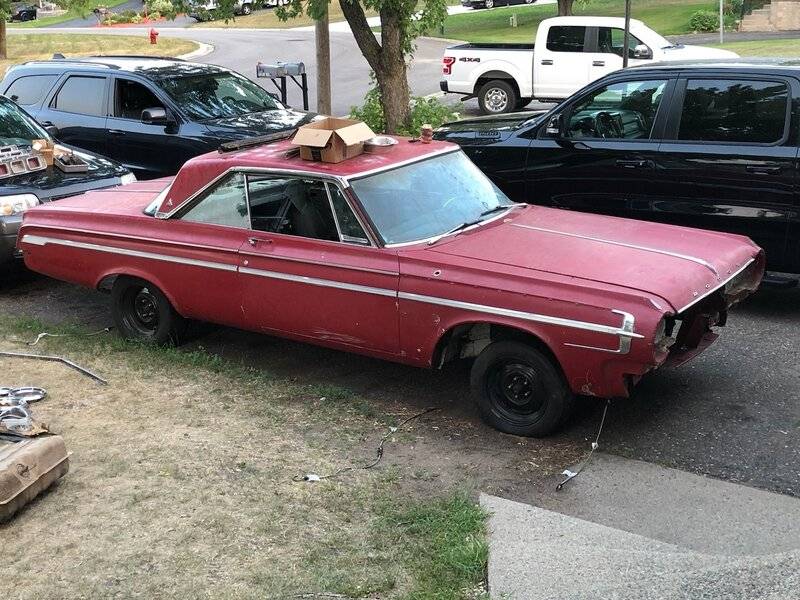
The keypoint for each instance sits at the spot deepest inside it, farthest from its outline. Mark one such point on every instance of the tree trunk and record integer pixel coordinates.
(386, 60)
(323, 40)
(565, 7)
(3, 52)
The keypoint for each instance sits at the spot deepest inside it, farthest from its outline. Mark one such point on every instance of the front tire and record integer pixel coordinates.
(489, 4)
(143, 313)
(246, 9)
(497, 97)
(519, 390)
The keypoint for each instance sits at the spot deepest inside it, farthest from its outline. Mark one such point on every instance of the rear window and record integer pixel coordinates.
(30, 90)
(566, 38)
(84, 95)
(716, 110)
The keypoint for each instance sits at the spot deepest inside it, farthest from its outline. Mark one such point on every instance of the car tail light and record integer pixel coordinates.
(447, 64)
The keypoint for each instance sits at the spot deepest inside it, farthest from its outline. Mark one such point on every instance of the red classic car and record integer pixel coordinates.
(411, 255)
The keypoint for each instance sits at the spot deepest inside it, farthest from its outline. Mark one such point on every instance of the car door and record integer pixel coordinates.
(311, 271)
(148, 149)
(561, 68)
(78, 106)
(605, 50)
(730, 158)
(601, 156)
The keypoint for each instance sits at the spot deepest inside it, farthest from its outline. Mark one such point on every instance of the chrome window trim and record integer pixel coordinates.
(400, 164)
(526, 316)
(347, 239)
(738, 272)
(688, 257)
(37, 240)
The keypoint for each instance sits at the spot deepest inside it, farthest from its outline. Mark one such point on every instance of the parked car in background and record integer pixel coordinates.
(410, 255)
(207, 10)
(22, 188)
(569, 53)
(150, 114)
(23, 12)
(493, 3)
(711, 145)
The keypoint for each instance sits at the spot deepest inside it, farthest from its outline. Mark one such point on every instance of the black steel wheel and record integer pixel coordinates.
(519, 390)
(142, 312)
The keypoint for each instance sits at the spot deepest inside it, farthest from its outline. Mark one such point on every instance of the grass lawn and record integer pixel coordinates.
(32, 46)
(182, 485)
(67, 16)
(665, 16)
(772, 48)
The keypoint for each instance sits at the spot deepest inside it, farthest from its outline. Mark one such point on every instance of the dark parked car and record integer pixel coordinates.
(26, 182)
(23, 12)
(706, 145)
(150, 114)
(493, 3)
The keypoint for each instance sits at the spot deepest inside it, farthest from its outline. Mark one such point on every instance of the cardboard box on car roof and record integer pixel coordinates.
(332, 140)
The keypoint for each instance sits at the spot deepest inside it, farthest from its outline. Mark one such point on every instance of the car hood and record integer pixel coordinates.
(52, 183)
(486, 130)
(261, 123)
(677, 264)
(682, 52)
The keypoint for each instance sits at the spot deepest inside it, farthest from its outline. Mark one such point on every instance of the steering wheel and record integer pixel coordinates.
(607, 125)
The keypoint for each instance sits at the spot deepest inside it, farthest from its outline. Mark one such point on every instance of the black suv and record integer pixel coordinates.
(705, 145)
(150, 114)
(26, 180)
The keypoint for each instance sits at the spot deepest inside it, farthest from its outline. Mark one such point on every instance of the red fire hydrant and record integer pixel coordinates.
(153, 36)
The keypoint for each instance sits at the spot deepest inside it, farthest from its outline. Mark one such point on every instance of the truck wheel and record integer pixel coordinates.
(519, 390)
(246, 9)
(496, 97)
(489, 3)
(142, 312)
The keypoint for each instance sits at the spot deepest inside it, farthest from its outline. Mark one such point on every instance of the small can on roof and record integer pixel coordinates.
(332, 140)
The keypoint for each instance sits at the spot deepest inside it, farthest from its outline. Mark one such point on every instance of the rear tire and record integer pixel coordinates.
(143, 313)
(519, 390)
(497, 97)
(246, 9)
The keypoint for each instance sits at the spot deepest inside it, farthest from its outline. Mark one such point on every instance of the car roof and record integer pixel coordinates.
(152, 67)
(203, 170)
(735, 64)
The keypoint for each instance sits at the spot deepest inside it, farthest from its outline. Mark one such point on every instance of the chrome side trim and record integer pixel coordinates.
(526, 316)
(628, 322)
(319, 282)
(721, 285)
(688, 257)
(37, 240)
(319, 263)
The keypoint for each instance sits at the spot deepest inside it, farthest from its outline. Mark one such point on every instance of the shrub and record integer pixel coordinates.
(423, 110)
(163, 7)
(704, 20)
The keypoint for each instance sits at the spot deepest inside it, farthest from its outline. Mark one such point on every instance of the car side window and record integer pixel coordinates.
(131, 98)
(224, 204)
(717, 110)
(83, 95)
(291, 206)
(350, 228)
(29, 90)
(566, 38)
(624, 110)
(611, 40)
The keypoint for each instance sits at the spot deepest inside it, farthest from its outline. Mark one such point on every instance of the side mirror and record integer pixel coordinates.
(555, 127)
(154, 116)
(52, 131)
(642, 52)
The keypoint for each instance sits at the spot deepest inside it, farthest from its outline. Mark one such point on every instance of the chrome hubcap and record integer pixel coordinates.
(496, 100)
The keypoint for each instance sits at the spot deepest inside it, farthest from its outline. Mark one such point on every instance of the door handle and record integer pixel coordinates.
(46, 123)
(254, 241)
(599, 63)
(762, 170)
(116, 132)
(547, 61)
(636, 164)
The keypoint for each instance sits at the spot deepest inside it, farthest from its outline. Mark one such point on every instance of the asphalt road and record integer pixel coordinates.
(241, 49)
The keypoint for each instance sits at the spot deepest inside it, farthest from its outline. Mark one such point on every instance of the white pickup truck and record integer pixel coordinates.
(569, 53)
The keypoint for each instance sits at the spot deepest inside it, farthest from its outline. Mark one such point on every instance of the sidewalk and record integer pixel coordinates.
(634, 530)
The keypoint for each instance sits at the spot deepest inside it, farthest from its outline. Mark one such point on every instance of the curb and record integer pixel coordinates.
(202, 50)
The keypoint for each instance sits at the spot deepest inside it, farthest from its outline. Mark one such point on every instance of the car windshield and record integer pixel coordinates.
(429, 198)
(16, 127)
(217, 95)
